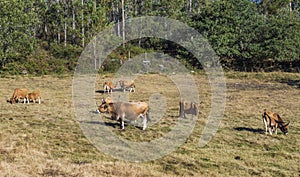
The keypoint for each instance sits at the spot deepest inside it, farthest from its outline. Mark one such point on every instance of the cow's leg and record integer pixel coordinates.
(266, 125)
(270, 130)
(276, 126)
(121, 119)
(39, 100)
(144, 122)
(122, 125)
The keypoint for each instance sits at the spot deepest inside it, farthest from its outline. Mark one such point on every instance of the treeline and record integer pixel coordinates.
(47, 36)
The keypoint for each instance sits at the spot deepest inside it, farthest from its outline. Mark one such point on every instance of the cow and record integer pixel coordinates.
(108, 86)
(36, 95)
(272, 121)
(129, 110)
(19, 94)
(127, 85)
(187, 107)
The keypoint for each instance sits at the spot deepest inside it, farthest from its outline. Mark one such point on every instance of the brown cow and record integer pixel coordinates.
(108, 86)
(272, 121)
(19, 94)
(127, 85)
(187, 107)
(122, 110)
(35, 96)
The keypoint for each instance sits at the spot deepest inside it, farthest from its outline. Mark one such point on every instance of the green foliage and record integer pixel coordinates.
(247, 35)
(16, 35)
(243, 38)
(282, 36)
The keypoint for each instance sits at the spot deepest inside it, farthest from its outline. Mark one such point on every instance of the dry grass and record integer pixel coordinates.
(46, 140)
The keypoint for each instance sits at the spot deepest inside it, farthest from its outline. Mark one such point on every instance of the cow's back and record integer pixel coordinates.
(131, 110)
(274, 116)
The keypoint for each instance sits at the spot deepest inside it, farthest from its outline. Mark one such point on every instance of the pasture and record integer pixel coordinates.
(46, 139)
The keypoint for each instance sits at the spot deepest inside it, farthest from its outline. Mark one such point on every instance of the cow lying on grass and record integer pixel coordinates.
(108, 87)
(187, 107)
(19, 94)
(272, 121)
(121, 110)
(127, 85)
(35, 96)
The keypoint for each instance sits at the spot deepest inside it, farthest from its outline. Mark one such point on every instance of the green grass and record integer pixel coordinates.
(46, 139)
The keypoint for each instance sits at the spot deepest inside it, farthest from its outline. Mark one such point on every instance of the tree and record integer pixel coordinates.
(16, 30)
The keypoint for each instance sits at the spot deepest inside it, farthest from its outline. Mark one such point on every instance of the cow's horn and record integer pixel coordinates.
(287, 123)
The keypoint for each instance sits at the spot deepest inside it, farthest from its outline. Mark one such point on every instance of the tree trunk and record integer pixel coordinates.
(123, 23)
(73, 23)
(65, 24)
(82, 20)
(118, 20)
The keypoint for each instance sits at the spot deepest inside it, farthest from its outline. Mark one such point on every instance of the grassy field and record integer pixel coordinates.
(46, 139)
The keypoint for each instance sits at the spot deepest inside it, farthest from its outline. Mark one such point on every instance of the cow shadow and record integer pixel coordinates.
(293, 83)
(114, 90)
(109, 124)
(249, 129)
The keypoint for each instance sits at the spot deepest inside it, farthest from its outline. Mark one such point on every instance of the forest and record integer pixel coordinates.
(47, 36)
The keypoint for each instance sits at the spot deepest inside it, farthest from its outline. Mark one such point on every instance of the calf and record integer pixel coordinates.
(122, 110)
(19, 94)
(35, 96)
(108, 86)
(187, 107)
(127, 85)
(272, 121)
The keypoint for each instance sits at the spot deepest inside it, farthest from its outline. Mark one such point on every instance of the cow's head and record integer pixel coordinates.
(284, 127)
(12, 100)
(103, 108)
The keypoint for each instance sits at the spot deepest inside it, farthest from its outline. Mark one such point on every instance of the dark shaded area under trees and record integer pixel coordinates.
(48, 36)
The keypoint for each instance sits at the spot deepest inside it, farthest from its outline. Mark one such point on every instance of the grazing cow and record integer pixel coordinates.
(187, 107)
(35, 96)
(127, 85)
(272, 121)
(122, 110)
(19, 94)
(108, 86)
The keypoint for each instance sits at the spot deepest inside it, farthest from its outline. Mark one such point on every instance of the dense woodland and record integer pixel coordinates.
(47, 36)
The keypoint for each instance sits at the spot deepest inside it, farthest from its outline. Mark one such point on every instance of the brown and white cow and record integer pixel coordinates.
(129, 110)
(108, 87)
(188, 107)
(19, 94)
(127, 85)
(36, 95)
(272, 121)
